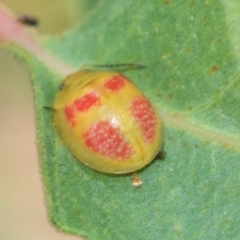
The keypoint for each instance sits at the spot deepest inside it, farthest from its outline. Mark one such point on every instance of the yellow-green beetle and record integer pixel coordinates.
(107, 122)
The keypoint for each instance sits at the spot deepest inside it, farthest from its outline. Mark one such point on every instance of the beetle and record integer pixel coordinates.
(106, 121)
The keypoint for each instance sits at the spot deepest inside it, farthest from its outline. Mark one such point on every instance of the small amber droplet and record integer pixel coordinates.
(137, 181)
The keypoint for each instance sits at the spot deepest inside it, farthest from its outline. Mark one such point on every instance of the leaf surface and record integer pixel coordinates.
(192, 77)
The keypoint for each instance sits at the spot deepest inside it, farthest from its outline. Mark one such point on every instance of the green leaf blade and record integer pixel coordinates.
(192, 72)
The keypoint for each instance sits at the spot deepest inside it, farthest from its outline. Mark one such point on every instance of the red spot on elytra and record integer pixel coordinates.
(115, 83)
(144, 113)
(82, 104)
(105, 138)
(70, 113)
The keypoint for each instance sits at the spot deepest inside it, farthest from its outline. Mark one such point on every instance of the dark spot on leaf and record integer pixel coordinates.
(193, 174)
(224, 145)
(205, 17)
(175, 85)
(170, 138)
(207, 142)
(169, 96)
(214, 105)
(227, 222)
(185, 145)
(166, 1)
(214, 69)
(192, 3)
(176, 199)
(160, 224)
(175, 64)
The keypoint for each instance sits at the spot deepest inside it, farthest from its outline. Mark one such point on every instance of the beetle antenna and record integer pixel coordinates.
(120, 65)
(50, 108)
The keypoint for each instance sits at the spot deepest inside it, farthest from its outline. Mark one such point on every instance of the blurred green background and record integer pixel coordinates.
(23, 214)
